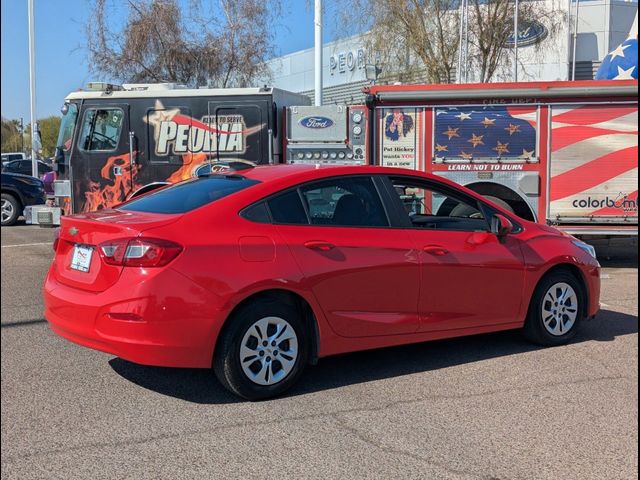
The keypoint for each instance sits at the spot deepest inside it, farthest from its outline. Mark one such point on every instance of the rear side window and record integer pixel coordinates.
(189, 195)
(345, 202)
(287, 208)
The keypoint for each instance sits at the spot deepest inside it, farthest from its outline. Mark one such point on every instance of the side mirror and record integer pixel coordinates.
(501, 226)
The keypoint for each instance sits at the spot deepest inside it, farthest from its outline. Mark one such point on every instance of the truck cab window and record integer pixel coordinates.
(101, 129)
(67, 126)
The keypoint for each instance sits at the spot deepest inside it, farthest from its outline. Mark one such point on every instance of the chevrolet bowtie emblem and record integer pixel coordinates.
(73, 230)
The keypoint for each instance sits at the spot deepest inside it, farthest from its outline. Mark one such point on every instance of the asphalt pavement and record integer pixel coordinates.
(484, 407)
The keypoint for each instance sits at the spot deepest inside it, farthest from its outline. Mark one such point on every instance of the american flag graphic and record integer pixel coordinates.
(622, 63)
(468, 133)
(594, 161)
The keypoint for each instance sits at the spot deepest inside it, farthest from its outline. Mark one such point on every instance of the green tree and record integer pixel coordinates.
(49, 134)
(10, 136)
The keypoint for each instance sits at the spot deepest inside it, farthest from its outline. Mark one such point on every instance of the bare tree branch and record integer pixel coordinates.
(214, 42)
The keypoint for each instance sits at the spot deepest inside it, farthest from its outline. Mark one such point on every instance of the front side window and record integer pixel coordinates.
(67, 126)
(430, 206)
(101, 129)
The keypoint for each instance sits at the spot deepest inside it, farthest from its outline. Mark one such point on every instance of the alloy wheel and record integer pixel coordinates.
(268, 351)
(559, 309)
(7, 210)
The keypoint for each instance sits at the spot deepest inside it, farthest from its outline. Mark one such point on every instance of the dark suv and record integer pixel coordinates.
(24, 167)
(18, 191)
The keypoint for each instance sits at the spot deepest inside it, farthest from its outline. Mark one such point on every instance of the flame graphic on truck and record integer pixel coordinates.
(115, 188)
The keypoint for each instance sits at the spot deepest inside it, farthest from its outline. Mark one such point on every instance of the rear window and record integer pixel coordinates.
(186, 196)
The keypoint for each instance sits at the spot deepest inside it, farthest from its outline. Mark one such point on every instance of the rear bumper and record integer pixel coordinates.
(166, 320)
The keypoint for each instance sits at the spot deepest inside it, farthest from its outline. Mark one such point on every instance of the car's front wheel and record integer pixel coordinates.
(262, 350)
(10, 209)
(556, 309)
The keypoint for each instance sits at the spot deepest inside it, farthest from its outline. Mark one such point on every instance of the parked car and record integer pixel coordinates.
(10, 156)
(18, 191)
(25, 168)
(261, 271)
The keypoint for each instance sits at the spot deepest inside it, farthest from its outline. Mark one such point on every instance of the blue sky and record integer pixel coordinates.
(61, 64)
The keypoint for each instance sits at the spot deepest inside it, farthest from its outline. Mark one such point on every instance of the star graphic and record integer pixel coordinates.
(158, 116)
(441, 148)
(476, 140)
(501, 148)
(625, 74)
(513, 129)
(619, 52)
(487, 122)
(463, 116)
(527, 154)
(466, 156)
(451, 132)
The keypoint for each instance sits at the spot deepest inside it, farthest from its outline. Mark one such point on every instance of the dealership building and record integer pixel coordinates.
(543, 54)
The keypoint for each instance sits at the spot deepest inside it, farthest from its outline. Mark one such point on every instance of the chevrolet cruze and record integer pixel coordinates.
(258, 272)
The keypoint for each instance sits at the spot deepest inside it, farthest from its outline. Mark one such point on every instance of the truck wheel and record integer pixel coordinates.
(462, 210)
(10, 209)
(262, 350)
(555, 311)
(500, 202)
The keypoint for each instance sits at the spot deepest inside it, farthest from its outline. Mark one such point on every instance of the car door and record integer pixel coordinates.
(102, 166)
(364, 274)
(25, 167)
(469, 277)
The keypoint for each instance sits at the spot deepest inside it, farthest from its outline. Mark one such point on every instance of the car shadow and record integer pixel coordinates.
(201, 386)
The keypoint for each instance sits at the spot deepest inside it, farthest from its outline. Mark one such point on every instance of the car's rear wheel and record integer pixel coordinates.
(556, 309)
(262, 350)
(10, 209)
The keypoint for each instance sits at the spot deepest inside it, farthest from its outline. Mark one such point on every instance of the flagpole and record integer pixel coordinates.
(575, 41)
(466, 41)
(515, 42)
(318, 52)
(460, 42)
(32, 92)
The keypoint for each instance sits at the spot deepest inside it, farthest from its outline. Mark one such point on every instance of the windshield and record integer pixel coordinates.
(67, 126)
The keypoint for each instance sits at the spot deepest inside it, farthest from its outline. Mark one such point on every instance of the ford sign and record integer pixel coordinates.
(316, 122)
(529, 34)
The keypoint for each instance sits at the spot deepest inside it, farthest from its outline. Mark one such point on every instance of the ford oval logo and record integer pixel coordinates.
(316, 122)
(529, 34)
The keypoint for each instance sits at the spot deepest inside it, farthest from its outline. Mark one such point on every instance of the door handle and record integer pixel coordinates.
(319, 245)
(435, 250)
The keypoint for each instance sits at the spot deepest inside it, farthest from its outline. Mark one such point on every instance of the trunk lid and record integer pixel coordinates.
(79, 262)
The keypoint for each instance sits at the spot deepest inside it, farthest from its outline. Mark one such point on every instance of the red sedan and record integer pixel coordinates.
(258, 272)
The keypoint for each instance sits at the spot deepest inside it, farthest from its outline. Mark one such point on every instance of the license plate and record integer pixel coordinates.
(81, 259)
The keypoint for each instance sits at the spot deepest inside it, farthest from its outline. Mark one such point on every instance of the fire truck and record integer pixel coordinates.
(117, 142)
(561, 153)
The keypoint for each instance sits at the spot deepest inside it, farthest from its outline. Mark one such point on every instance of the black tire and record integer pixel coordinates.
(500, 202)
(462, 210)
(14, 204)
(226, 361)
(534, 327)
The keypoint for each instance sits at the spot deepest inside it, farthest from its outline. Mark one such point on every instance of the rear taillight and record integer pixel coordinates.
(56, 238)
(139, 252)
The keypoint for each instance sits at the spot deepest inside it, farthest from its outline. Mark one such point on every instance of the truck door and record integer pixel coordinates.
(102, 173)
(241, 130)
